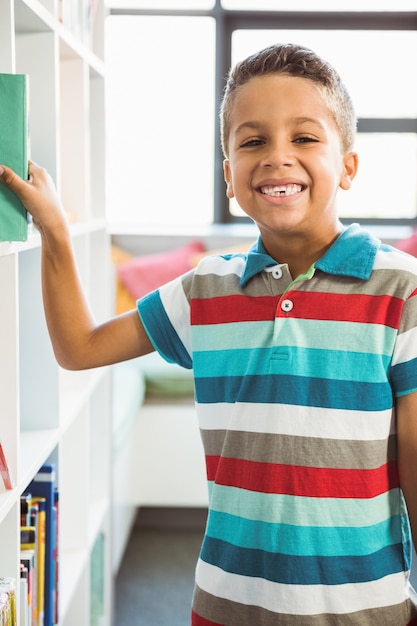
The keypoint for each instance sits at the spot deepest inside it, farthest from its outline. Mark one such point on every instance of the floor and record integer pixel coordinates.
(156, 578)
(155, 582)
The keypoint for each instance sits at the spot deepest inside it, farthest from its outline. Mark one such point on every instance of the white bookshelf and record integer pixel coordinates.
(48, 414)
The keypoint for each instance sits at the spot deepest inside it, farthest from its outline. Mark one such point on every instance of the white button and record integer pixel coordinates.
(275, 270)
(287, 305)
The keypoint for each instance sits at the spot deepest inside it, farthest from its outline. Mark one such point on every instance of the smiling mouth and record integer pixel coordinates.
(280, 190)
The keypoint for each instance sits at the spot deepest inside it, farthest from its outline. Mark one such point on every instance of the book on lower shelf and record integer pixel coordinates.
(8, 611)
(97, 565)
(79, 17)
(28, 558)
(5, 472)
(14, 142)
(39, 521)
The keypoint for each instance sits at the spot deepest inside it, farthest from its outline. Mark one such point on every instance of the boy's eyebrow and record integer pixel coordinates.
(298, 121)
(308, 120)
(248, 126)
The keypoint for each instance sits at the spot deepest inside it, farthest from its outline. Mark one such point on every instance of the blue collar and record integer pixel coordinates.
(352, 254)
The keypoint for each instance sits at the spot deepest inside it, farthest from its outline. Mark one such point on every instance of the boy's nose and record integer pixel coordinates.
(277, 155)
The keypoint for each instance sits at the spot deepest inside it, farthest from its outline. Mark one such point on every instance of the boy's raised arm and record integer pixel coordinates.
(78, 342)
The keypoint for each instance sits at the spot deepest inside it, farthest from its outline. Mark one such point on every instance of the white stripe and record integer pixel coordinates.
(221, 267)
(287, 419)
(178, 310)
(301, 599)
(405, 347)
(395, 260)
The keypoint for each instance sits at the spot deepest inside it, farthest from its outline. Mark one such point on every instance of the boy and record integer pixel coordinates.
(304, 356)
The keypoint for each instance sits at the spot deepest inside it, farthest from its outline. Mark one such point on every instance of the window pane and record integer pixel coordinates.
(379, 84)
(161, 4)
(160, 134)
(385, 185)
(320, 5)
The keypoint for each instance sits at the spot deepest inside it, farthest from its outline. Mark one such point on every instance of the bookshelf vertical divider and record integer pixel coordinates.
(48, 415)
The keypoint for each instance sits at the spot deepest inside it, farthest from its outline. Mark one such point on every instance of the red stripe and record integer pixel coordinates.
(224, 310)
(196, 620)
(345, 307)
(308, 305)
(314, 482)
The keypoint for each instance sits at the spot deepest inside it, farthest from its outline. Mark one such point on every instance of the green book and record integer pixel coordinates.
(97, 566)
(13, 152)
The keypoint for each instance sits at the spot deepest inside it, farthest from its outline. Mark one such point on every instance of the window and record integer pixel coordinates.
(319, 5)
(161, 5)
(373, 99)
(166, 68)
(160, 133)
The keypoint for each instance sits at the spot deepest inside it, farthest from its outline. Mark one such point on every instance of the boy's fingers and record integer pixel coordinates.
(9, 178)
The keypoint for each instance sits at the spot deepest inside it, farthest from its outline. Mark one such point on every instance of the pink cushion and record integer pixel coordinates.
(145, 273)
(408, 245)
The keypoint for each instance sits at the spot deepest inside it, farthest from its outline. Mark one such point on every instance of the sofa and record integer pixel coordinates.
(158, 457)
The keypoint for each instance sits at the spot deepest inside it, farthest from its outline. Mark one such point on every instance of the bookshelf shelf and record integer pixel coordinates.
(73, 564)
(35, 447)
(97, 519)
(31, 16)
(48, 415)
(7, 501)
(76, 389)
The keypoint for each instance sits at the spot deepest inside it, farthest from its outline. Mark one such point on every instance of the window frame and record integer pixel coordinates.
(229, 20)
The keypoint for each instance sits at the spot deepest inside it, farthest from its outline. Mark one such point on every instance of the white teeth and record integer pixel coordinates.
(281, 190)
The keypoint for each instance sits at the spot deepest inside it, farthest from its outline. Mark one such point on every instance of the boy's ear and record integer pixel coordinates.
(228, 178)
(349, 171)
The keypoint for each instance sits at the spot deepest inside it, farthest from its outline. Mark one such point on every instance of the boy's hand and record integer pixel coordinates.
(77, 340)
(38, 195)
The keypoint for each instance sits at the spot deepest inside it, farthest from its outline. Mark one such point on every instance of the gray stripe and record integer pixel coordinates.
(302, 451)
(209, 285)
(391, 282)
(223, 611)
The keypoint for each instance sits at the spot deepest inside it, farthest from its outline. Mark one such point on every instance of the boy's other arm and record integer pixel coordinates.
(406, 410)
(78, 342)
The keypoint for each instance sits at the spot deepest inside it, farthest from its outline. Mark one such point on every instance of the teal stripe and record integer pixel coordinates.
(223, 336)
(304, 362)
(282, 388)
(314, 333)
(290, 569)
(304, 540)
(304, 511)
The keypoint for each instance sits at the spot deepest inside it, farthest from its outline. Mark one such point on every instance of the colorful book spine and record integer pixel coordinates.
(43, 486)
(8, 611)
(25, 618)
(38, 512)
(5, 470)
(28, 550)
(56, 557)
(97, 565)
(27, 559)
(13, 152)
(25, 499)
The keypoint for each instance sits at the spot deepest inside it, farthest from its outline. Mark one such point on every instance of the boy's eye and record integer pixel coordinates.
(305, 139)
(251, 142)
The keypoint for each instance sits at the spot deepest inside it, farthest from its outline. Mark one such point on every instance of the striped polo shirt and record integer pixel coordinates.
(295, 382)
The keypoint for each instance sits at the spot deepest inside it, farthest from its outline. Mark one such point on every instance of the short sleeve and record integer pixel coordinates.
(404, 361)
(165, 314)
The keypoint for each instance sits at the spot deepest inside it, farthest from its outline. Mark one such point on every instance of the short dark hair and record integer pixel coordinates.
(292, 60)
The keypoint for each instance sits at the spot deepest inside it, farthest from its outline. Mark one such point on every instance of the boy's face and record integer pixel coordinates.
(285, 159)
